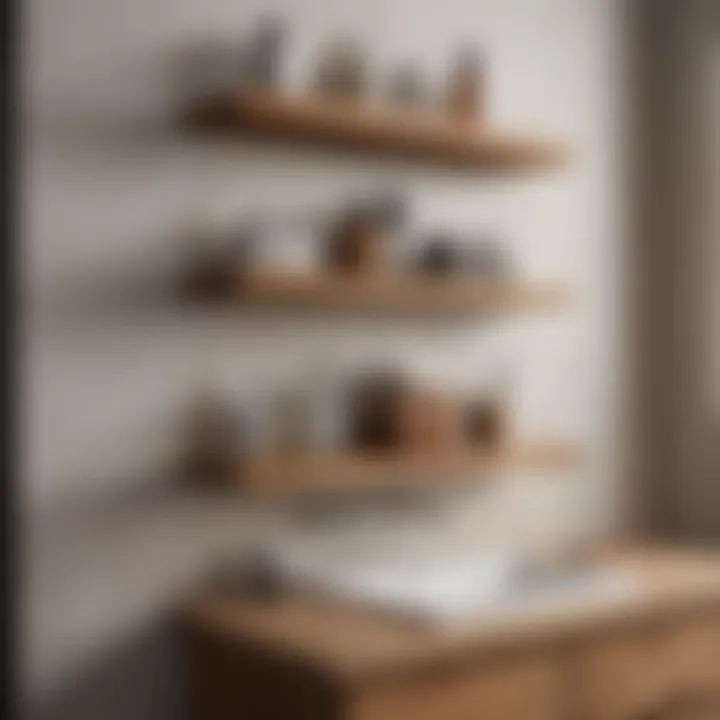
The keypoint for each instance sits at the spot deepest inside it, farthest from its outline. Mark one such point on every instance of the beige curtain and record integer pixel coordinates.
(713, 314)
(678, 136)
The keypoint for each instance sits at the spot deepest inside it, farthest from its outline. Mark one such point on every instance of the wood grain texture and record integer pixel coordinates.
(622, 676)
(367, 129)
(355, 643)
(292, 290)
(520, 686)
(232, 680)
(651, 658)
(660, 671)
(693, 656)
(277, 475)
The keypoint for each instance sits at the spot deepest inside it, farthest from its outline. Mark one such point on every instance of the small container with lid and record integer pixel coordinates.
(466, 87)
(263, 55)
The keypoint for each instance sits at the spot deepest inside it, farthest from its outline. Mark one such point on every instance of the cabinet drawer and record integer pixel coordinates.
(525, 687)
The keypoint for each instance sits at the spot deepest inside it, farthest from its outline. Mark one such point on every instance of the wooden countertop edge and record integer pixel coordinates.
(461, 639)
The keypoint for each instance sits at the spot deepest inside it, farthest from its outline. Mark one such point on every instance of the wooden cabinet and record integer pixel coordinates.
(693, 711)
(647, 668)
(621, 676)
(692, 655)
(517, 687)
(661, 671)
(229, 681)
(691, 707)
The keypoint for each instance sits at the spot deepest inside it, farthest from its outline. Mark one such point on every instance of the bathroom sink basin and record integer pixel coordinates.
(456, 589)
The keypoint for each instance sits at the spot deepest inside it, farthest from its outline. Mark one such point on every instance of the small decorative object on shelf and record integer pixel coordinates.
(388, 210)
(222, 253)
(201, 276)
(483, 420)
(358, 243)
(342, 72)
(466, 89)
(326, 428)
(275, 249)
(311, 416)
(392, 413)
(263, 56)
(489, 259)
(290, 421)
(216, 433)
(444, 423)
(440, 256)
(412, 418)
(393, 431)
(406, 90)
(383, 410)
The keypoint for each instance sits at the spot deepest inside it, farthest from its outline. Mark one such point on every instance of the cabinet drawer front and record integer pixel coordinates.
(514, 688)
(622, 676)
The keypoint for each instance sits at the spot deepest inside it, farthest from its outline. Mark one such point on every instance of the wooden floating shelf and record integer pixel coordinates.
(278, 475)
(384, 132)
(296, 289)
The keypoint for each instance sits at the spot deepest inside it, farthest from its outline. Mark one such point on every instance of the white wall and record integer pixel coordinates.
(111, 363)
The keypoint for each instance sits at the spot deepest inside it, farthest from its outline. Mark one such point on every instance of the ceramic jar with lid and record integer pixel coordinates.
(484, 421)
(312, 413)
(383, 410)
(466, 87)
(327, 413)
(487, 258)
(440, 256)
(216, 432)
(358, 244)
(341, 72)
(262, 58)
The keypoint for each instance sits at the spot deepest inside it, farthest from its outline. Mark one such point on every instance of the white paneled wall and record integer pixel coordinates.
(111, 363)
